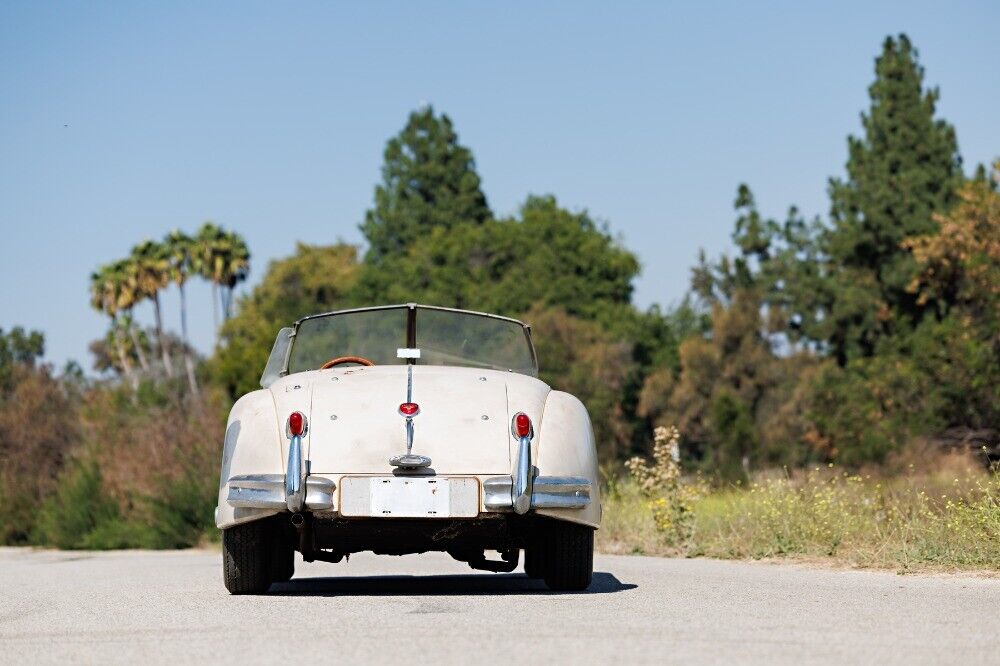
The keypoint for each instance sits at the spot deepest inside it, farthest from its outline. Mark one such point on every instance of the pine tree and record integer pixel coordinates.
(428, 180)
(904, 169)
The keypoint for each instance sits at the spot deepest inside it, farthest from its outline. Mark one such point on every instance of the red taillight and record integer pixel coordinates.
(409, 408)
(296, 424)
(522, 425)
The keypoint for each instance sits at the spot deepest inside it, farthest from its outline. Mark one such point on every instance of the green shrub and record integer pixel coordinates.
(182, 511)
(78, 507)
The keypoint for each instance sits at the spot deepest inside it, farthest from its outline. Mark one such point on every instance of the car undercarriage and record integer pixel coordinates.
(260, 553)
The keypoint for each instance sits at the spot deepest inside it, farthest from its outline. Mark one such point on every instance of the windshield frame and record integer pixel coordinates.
(411, 327)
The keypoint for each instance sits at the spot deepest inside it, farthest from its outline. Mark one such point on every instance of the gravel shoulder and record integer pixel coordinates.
(158, 607)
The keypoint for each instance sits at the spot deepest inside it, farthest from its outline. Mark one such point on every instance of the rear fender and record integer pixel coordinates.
(566, 448)
(252, 446)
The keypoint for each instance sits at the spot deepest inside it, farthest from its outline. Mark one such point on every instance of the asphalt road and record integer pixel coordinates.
(171, 607)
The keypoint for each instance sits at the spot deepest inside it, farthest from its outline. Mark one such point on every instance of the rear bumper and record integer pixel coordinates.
(547, 492)
(268, 492)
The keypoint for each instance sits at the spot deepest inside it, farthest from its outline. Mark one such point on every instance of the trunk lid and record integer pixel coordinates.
(463, 424)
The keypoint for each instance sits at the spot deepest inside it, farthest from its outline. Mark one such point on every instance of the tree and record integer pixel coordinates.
(904, 169)
(106, 287)
(429, 181)
(39, 425)
(717, 397)
(582, 358)
(122, 277)
(959, 265)
(18, 348)
(150, 268)
(223, 259)
(179, 247)
(959, 279)
(315, 279)
(547, 255)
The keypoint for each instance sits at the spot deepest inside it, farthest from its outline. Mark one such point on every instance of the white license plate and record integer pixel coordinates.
(409, 497)
(401, 497)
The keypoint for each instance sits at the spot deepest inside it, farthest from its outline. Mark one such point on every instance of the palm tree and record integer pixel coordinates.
(150, 268)
(179, 247)
(126, 297)
(237, 268)
(208, 243)
(105, 286)
(223, 259)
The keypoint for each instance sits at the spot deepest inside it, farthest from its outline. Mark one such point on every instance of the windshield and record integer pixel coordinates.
(444, 337)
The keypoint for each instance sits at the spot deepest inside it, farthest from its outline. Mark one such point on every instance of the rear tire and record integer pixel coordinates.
(282, 559)
(568, 557)
(246, 558)
(534, 564)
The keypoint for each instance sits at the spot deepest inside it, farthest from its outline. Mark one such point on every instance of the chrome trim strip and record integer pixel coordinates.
(294, 495)
(409, 461)
(521, 489)
(319, 492)
(267, 491)
(409, 306)
(256, 498)
(496, 493)
(409, 419)
(548, 492)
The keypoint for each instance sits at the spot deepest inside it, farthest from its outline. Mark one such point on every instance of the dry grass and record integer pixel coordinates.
(943, 520)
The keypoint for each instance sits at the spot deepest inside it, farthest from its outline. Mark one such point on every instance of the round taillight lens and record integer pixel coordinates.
(409, 409)
(296, 424)
(522, 425)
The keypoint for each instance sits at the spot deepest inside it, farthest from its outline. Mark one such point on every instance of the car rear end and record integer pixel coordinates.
(406, 458)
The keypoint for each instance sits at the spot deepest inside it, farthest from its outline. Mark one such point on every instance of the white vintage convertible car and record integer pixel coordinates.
(405, 429)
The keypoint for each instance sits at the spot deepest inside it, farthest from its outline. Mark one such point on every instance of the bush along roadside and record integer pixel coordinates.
(920, 520)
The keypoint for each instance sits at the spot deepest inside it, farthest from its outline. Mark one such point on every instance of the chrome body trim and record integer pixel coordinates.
(294, 486)
(521, 487)
(409, 461)
(497, 493)
(548, 492)
(410, 306)
(267, 491)
(319, 492)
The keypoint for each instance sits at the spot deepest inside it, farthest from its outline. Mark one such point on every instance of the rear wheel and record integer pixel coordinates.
(246, 558)
(282, 558)
(567, 553)
(534, 565)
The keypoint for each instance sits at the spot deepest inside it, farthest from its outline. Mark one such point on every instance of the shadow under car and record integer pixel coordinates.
(436, 585)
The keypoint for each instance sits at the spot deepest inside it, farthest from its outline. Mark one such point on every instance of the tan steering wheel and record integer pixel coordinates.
(360, 360)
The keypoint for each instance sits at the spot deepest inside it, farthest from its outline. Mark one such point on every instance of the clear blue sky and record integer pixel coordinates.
(122, 121)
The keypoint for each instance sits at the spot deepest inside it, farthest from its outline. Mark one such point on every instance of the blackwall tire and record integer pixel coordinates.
(282, 561)
(282, 556)
(569, 557)
(246, 558)
(534, 562)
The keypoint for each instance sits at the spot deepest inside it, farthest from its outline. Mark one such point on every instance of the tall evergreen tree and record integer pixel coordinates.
(904, 169)
(428, 180)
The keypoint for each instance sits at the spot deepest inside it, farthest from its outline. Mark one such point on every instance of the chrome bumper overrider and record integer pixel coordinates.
(547, 492)
(267, 491)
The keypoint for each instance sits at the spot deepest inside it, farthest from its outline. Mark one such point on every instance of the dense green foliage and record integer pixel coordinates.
(845, 339)
(429, 181)
(18, 348)
(904, 169)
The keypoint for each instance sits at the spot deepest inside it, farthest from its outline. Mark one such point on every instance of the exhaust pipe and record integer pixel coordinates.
(303, 527)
